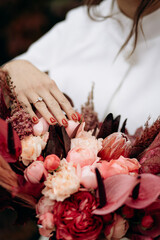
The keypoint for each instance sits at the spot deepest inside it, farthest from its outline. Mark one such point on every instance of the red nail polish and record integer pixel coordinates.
(64, 122)
(53, 120)
(35, 119)
(74, 117)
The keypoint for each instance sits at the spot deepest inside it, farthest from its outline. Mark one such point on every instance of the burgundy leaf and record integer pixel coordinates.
(116, 122)
(58, 143)
(66, 140)
(106, 128)
(101, 190)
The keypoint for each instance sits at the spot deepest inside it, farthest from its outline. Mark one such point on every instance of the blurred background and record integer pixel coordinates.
(21, 23)
(24, 21)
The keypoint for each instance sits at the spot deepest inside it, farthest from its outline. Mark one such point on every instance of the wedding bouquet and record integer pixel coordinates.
(87, 181)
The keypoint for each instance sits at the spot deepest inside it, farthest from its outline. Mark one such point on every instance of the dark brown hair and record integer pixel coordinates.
(143, 7)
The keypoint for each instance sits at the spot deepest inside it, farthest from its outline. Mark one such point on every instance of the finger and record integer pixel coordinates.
(42, 109)
(63, 102)
(54, 108)
(28, 108)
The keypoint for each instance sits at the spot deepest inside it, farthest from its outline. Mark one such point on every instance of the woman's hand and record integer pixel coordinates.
(31, 85)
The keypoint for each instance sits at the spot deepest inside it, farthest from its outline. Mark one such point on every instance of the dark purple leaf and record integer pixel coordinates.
(116, 122)
(101, 190)
(123, 128)
(58, 143)
(106, 128)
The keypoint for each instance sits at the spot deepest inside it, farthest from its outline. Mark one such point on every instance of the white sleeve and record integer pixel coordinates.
(45, 52)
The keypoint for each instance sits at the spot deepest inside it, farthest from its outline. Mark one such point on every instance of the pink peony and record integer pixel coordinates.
(114, 146)
(32, 147)
(120, 166)
(41, 127)
(51, 162)
(35, 172)
(85, 139)
(71, 127)
(88, 178)
(81, 156)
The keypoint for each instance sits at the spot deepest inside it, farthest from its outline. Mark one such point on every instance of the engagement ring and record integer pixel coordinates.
(39, 99)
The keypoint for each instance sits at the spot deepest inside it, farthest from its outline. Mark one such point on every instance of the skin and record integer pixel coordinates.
(31, 83)
(129, 7)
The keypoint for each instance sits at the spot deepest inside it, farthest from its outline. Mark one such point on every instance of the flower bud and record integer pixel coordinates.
(44, 205)
(114, 146)
(51, 162)
(71, 127)
(47, 221)
(147, 221)
(41, 127)
(118, 229)
(35, 172)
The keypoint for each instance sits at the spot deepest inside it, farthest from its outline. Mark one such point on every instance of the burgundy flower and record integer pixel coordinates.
(74, 219)
(153, 230)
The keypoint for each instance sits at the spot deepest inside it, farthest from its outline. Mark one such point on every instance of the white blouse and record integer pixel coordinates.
(80, 51)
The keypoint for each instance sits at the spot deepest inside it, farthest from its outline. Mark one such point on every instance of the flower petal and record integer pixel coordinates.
(118, 188)
(148, 192)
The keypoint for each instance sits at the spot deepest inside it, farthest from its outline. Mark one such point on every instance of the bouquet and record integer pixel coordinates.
(87, 181)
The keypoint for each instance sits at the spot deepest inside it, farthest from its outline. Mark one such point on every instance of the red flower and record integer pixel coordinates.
(114, 146)
(74, 219)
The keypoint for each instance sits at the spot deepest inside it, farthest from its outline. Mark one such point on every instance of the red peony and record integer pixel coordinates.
(74, 219)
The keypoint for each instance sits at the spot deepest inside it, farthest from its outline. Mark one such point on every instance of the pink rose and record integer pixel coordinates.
(35, 172)
(117, 229)
(71, 127)
(41, 127)
(114, 146)
(120, 166)
(51, 162)
(88, 178)
(47, 221)
(81, 156)
(44, 205)
(74, 218)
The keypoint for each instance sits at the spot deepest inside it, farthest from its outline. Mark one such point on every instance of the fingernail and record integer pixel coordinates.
(64, 122)
(74, 117)
(53, 120)
(35, 119)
